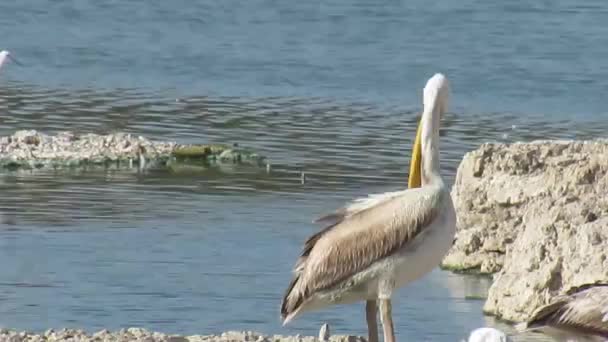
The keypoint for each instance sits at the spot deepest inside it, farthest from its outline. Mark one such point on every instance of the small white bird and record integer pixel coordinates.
(488, 335)
(6, 56)
(324, 333)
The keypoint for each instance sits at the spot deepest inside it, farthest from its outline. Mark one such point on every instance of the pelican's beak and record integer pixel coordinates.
(415, 178)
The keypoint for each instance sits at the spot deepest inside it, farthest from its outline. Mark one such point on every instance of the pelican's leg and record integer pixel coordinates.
(386, 316)
(372, 323)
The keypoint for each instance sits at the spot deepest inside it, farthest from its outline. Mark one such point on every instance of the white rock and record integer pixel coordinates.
(535, 213)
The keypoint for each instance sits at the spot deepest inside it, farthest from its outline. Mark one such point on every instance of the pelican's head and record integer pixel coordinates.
(434, 98)
(436, 94)
(488, 335)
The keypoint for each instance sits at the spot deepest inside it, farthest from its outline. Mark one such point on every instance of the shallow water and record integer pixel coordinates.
(332, 90)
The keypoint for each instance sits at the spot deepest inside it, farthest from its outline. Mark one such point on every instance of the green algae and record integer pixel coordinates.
(208, 154)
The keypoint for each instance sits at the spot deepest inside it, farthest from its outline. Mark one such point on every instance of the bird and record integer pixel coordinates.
(581, 315)
(324, 333)
(487, 334)
(5, 56)
(379, 243)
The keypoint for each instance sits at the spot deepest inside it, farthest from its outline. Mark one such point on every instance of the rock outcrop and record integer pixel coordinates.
(536, 214)
(32, 150)
(138, 334)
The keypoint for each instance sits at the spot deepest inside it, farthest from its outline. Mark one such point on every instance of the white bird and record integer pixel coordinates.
(324, 333)
(377, 244)
(581, 315)
(5, 56)
(488, 335)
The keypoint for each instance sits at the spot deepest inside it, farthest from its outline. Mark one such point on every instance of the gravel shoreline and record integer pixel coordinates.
(139, 334)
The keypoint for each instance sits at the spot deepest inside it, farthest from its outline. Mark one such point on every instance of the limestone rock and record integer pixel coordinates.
(535, 213)
(548, 260)
(30, 149)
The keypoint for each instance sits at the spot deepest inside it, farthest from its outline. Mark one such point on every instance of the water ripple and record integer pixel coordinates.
(341, 147)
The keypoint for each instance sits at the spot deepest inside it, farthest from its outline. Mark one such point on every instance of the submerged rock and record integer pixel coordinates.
(139, 334)
(32, 149)
(536, 214)
(215, 153)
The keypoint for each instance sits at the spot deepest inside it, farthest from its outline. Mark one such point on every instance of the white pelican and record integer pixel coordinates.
(580, 316)
(488, 335)
(5, 56)
(379, 243)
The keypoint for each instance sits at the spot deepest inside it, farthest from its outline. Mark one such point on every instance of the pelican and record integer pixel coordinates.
(581, 315)
(5, 56)
(488, 335)
(377, 244)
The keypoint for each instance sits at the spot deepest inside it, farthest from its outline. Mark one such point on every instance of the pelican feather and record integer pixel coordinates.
(364, 232)
(582, 311)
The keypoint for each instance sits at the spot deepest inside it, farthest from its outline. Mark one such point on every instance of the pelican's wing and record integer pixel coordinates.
(542, 315)
(357, 206)
(584, 311)
(360, 234)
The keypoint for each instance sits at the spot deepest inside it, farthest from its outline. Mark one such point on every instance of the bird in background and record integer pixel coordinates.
(579, 315)
(6, 56)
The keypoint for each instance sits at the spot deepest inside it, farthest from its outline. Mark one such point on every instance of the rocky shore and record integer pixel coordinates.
(138, 334)
(30, 149)
(536, 216)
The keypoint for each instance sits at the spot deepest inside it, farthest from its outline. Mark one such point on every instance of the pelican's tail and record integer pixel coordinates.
(292, 301)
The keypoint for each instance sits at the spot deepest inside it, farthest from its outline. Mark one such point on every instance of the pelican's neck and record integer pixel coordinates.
(430, 144)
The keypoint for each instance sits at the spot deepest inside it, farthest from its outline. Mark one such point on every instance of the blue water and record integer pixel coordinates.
(531, 58)
(332, 89)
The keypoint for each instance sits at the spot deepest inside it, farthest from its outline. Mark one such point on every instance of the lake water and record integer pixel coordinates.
(330, 89)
